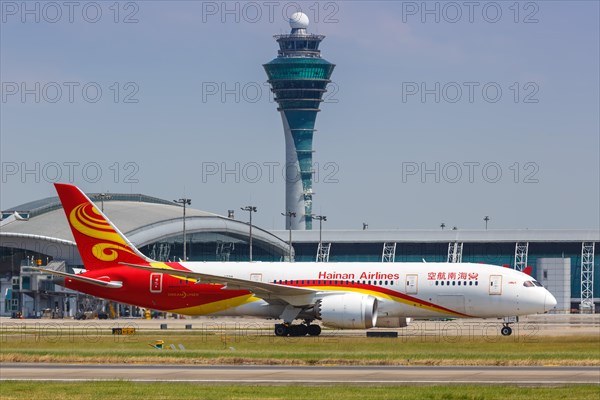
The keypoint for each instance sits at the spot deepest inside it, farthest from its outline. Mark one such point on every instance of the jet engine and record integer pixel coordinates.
(348, 311)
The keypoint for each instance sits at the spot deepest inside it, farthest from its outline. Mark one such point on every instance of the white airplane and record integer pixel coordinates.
(340, 295)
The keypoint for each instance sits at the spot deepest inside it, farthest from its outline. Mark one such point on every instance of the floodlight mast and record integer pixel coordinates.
(184, 202)
(250, 209)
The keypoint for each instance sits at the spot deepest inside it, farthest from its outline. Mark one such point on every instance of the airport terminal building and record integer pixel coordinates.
(38, 233)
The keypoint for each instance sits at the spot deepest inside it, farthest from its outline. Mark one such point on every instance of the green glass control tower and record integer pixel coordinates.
(298, 79)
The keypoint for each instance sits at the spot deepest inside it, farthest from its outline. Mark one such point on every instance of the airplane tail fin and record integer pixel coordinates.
(99, 242)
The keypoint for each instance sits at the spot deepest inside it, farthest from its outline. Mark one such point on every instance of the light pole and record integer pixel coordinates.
(291, 215)
(321, 218)
(250, 209)
(442, 225)
(102, 197)
(486, 219)
(184, 202)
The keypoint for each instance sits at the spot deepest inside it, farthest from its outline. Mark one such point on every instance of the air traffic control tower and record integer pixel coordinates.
(298, 79)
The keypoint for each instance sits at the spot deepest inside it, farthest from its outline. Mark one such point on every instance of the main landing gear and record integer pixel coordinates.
(297, 330)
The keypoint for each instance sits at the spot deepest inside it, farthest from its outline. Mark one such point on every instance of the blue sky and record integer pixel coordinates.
(444, 114)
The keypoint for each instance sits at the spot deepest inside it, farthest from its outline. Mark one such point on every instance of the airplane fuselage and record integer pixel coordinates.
(417, 290)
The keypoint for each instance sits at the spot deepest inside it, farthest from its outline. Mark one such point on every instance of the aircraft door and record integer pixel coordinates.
(495, 284)
(412, 283)
(156, 283)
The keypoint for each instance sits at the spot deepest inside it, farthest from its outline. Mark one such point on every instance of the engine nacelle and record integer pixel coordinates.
(348, 311)
(392, 322)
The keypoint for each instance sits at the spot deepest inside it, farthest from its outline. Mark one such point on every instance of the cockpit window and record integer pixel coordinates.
(532, 284)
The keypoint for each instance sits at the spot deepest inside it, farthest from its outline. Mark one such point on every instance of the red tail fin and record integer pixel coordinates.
(99, 242)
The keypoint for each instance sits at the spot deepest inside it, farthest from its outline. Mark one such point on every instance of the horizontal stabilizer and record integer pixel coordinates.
(91, 281)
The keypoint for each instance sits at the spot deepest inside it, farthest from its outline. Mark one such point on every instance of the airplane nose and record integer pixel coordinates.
(549, 302)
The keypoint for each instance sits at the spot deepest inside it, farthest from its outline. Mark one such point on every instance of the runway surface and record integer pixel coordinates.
(284, 375)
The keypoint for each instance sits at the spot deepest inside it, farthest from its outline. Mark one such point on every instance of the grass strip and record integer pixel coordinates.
(111, 390)
(214, 349)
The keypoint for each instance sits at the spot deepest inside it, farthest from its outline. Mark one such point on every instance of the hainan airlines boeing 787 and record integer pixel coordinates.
(341, 295)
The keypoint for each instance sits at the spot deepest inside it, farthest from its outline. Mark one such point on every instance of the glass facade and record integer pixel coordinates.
(211, 246)
(291, 68)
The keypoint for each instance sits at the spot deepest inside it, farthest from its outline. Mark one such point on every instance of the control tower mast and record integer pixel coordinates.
(298, 79)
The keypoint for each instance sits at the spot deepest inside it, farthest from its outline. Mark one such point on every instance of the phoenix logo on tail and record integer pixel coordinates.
(100, 243)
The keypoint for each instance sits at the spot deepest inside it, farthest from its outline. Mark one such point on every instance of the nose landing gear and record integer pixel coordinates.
(506, 330)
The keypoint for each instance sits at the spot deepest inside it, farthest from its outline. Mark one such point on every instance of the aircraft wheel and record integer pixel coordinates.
(506, 331)
(302, 330)
(297, 330)
(281, 330)
(314, 330)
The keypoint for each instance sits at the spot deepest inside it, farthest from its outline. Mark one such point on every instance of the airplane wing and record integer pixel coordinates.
(92, 281)
(260, 289)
